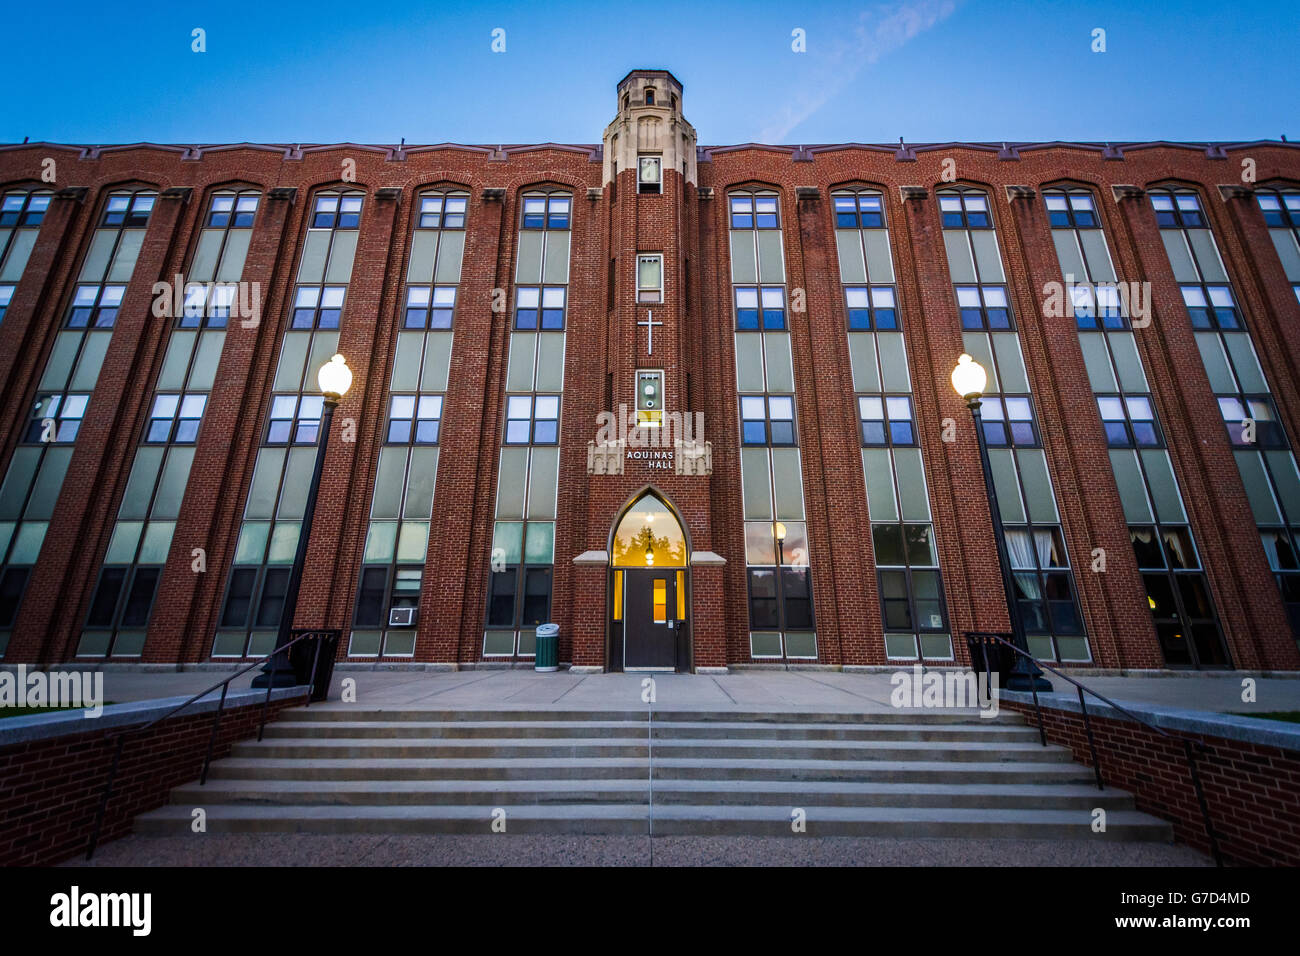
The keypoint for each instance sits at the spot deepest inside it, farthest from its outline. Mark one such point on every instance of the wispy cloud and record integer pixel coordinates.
(879, 30)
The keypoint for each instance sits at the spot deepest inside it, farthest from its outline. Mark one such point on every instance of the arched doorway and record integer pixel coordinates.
(649, 588)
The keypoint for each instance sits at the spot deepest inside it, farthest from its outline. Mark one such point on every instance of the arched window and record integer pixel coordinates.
(649, 536)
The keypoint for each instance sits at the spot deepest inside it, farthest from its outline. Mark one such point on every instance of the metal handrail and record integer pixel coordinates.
(317, 635)
(1190, 746)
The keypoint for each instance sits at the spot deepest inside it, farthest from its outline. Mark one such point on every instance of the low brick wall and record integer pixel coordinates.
(1249, 770)
(53, 768)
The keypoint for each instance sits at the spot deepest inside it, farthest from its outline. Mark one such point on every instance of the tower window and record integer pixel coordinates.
(650, 96)
(649, 174)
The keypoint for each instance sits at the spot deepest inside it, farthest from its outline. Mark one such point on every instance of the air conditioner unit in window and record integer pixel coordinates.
(401, 617)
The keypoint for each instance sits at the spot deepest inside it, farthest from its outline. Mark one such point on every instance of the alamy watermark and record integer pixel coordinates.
(934, 689)
(37, 688)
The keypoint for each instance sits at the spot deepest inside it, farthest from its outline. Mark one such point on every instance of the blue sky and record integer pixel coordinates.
(927, 70)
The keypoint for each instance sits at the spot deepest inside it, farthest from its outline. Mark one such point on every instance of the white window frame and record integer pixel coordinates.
(645, 185)
(643, 291)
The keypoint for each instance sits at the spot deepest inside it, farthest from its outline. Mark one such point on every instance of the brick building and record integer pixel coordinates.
(690, 403)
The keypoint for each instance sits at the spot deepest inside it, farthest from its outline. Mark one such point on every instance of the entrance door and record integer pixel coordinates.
(650, 626)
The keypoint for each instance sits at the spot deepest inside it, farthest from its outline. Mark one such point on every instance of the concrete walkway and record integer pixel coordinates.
(813, 690)
(299, 849)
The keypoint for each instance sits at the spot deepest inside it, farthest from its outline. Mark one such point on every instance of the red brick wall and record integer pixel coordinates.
(696, 342)
(50, 790)
(1252, 791)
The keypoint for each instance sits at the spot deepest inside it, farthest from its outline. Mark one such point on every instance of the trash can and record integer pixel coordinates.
(547, 654)
(303, 654)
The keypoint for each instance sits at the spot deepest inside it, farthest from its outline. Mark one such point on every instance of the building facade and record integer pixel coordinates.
(690, 403)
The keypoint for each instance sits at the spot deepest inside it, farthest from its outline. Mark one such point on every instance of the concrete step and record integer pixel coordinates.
(496, 748)
(678, 819)
(355, 712)
(699, 792)
(466, 729)
(610, 768)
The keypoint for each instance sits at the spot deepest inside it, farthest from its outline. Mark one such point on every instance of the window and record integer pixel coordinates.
(513, 606)
(650, 278)
(760, 307)
(317, 307)
(442, 211)
(429, 307)
(649, 398)
(56, 419)
(767, 420)
(1279, 209)
(1009, 420)
(1043, 587)
(294, 419)
(128, 210)
(1211, 307)
(886, 420)
(23, 209)
(871, 308)
(983, 307)
(859, 211)
(1249, 416)
(535, 302)
(1066, 210)
(414, 419)
(650, 96)
(175, 419)
(532, 419)
(911, 597)
(333, 211)
(95, 306)
(546, 211)
(1097, 304)
(1175, 210)
(232, 211)
(1178, 596)
(649, 174)
(754, 211)
(21, 214)
(965, 210)
(780, 586)
(1129, 421)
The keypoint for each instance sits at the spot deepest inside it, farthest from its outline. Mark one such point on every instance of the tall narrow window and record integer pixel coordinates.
(386, 616)
(21, 214)
(35, 475)
(268, 537)
(778, 574)
(1188, 631)
(1242, 392)
(123, 601)
(523, 541)
(914, 617)
(1044, 583)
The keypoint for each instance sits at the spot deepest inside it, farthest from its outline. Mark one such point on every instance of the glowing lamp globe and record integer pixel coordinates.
(969, 378)
(334, 378)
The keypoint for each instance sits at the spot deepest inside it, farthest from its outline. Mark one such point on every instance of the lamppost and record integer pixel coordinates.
(969, 379)
(780, 544)
(334, 379)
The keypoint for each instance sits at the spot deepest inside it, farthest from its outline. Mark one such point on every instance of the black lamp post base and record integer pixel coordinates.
(1027, 683)
(1028, 677)
(276, 675)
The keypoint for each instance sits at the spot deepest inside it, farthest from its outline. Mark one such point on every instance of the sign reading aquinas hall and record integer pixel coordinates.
(652, 459)
(673, 441)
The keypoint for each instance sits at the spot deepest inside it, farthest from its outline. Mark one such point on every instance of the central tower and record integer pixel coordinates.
(650, 539)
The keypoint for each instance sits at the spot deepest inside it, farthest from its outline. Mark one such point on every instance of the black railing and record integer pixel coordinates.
(321, 637)
(980, 642)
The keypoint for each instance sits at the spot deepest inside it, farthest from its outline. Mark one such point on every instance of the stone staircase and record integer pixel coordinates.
(346, 769)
